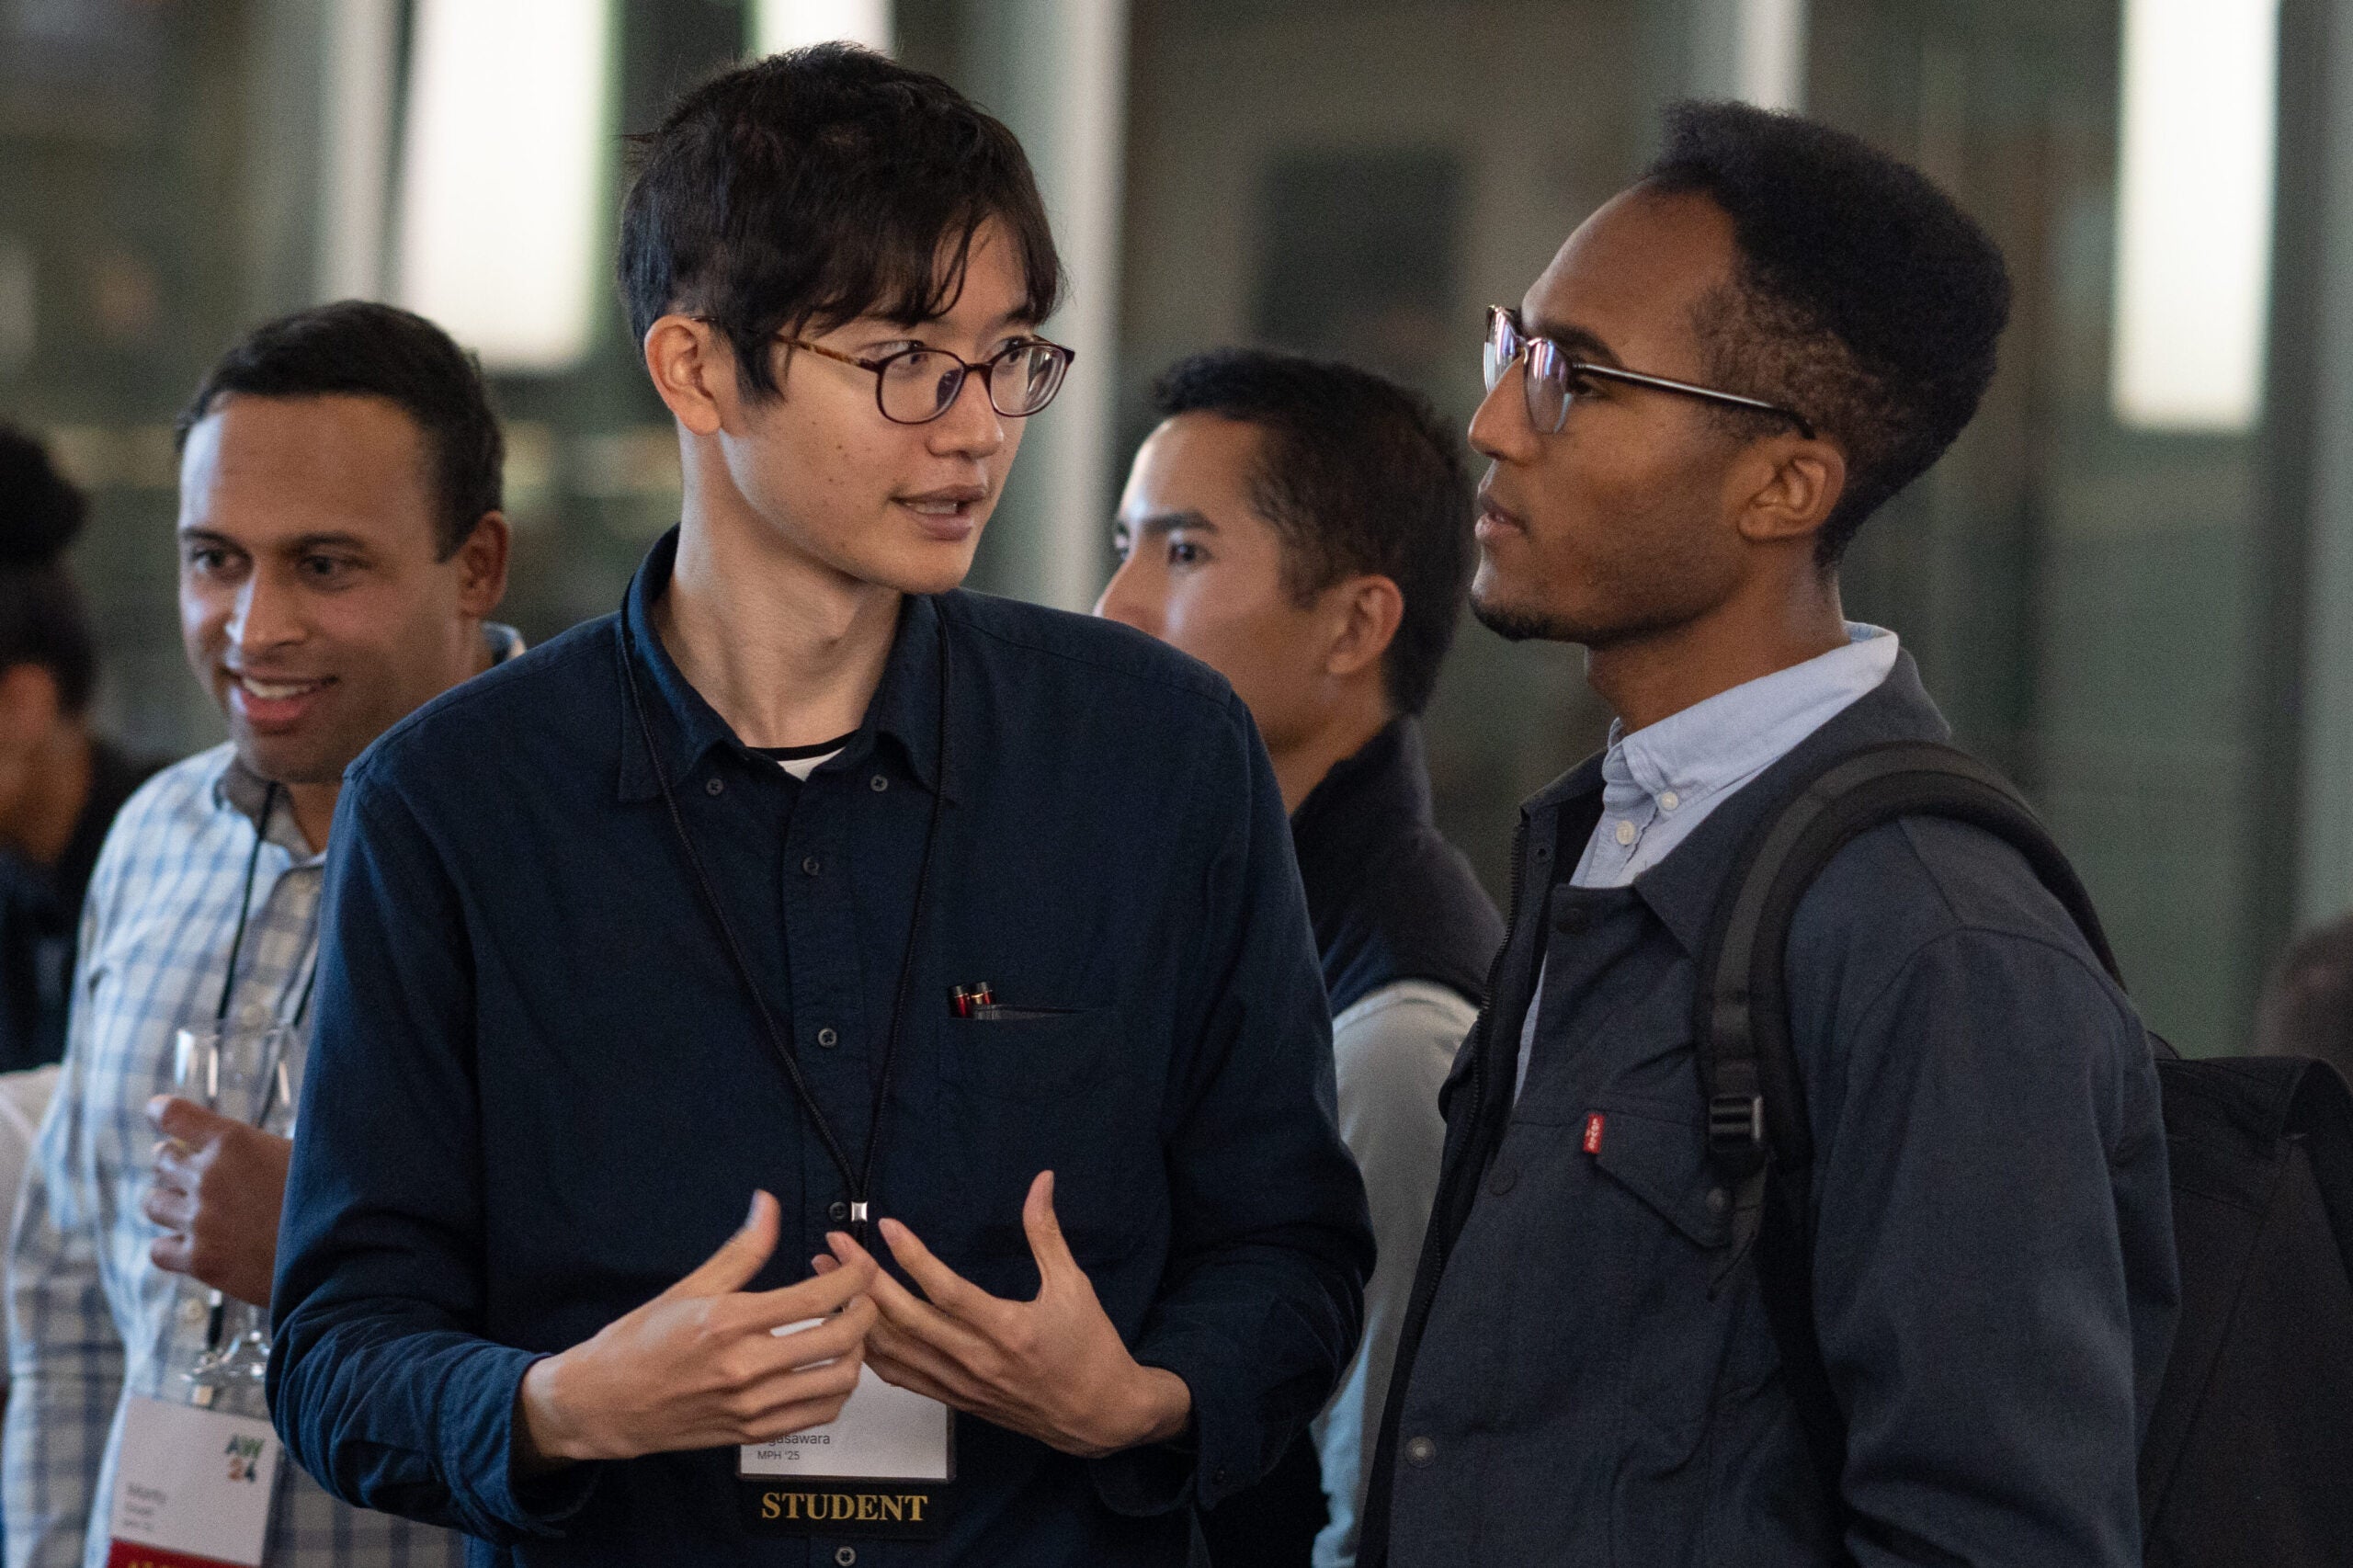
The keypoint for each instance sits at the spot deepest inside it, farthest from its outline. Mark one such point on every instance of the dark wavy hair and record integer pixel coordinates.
(1355, 474)
(1866, 299)
(42, 618)
(813, 187)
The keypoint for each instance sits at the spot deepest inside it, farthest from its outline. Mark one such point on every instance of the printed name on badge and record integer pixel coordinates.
(881, 1468)
(192, 1488)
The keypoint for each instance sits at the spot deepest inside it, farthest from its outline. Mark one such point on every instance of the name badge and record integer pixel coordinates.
(192, 1488)
(880, 1468)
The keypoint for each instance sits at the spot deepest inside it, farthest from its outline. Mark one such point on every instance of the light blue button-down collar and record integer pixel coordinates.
(1660, 782)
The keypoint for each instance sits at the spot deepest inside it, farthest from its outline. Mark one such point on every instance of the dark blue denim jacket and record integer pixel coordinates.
(1994, 1272)
(538, 1093)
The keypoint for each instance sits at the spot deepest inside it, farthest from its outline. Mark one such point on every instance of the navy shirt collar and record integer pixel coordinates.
(905, 707)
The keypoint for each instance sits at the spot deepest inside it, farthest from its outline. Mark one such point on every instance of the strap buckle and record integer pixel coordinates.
(1735, 1124)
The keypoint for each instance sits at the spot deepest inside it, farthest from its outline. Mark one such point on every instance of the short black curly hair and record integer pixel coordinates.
(816, 186)
(1355, 474)
(1867, 300)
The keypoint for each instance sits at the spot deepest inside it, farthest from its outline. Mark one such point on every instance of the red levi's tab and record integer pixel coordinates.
(1592, 1146)
(131, 1554)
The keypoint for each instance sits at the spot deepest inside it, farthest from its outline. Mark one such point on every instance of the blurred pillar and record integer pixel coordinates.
(361, 56)
(2303, 708)
(1749, 50)
(1055, 71)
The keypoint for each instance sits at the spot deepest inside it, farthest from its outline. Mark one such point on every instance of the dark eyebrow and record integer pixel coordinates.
(295, 546)
(1161, 524)
(1580, 343)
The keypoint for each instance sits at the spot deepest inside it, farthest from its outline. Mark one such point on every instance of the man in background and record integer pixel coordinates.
(59, 783)
(340, 547)
(1304, 529)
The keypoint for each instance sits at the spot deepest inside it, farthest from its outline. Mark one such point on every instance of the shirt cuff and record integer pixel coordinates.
(1158, 1478)
(537, 1505)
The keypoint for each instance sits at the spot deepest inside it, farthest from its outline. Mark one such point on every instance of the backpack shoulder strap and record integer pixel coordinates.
(1759, 1139)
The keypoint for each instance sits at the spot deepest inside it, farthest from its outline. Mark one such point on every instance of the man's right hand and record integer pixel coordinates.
(699, 1366)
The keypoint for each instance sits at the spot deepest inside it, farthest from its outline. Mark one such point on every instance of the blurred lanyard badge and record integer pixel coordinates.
(192, 1487)
(881, 1468)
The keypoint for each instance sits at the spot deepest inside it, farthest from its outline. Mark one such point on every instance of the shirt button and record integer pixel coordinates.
(1541, 852)
(192, 1312)
(713, 786)
(846, 1555)
(1625, 834)
(827, 1037)
(1669, 800)
(808, 865)
(837, 1211)
(878, 783)
(1420, 1451)
(1718, 1200)
(1503, 1180)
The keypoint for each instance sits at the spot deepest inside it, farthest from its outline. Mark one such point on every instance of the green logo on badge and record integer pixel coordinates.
(244, 1459)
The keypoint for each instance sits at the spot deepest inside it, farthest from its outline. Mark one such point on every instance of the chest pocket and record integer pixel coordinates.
(1663, 1161)
(1034, 1055)
(1676, 1220)
(1042, 1090)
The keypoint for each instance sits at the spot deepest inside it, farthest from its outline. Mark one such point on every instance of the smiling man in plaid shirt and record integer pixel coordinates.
(340, 547)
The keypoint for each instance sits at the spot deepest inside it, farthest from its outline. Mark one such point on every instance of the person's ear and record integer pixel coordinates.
(1365, 613)
(1792, 487)
(694, 371)
(482, 565)
(29, 705)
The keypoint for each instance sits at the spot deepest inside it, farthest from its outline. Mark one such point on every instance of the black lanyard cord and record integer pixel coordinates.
(237, 948)
(245, 904)
(859, 1182)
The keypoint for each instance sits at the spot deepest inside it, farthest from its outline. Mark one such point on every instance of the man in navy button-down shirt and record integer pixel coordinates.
(543, 1085)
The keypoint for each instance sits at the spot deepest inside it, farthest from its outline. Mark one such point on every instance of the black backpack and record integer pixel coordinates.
(2248, 1459)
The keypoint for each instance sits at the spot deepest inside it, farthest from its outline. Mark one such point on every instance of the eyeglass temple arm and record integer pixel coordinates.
(1660, 383)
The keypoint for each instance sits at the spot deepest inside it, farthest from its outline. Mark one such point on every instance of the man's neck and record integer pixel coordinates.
(787, 650)
(1646, 679)
(313, 808)
(57, 786)
(1301, 765)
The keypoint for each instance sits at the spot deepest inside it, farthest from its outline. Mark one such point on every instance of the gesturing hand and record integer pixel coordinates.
(699, 1366)
(1052, 1367)
(219, 1186)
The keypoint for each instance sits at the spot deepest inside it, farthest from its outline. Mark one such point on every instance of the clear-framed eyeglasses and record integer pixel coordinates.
(1554, 377)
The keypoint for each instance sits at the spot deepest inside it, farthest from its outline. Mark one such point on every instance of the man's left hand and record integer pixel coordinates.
(219, 1187)
(1052, 1367)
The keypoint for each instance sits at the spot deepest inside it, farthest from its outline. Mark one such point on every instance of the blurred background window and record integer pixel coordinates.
(2130, 584)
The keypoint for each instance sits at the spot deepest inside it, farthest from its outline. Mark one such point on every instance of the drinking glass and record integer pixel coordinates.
(248, 1075)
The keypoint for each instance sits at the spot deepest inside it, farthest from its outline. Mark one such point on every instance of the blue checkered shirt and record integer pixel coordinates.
(90, 1319)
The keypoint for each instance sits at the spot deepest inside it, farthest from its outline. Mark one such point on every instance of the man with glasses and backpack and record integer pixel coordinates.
(1721, 375)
